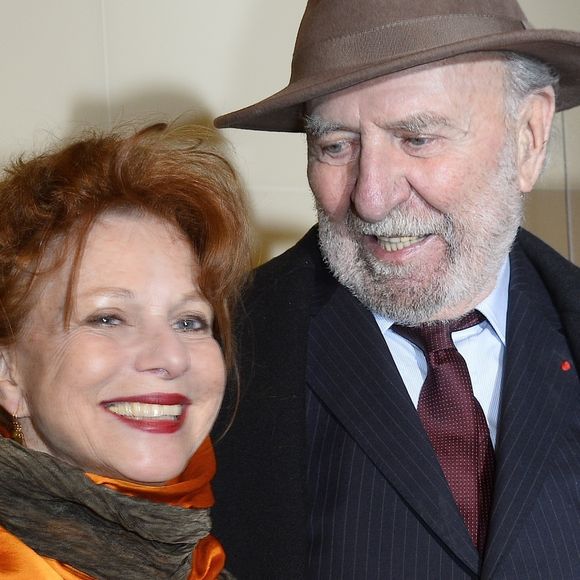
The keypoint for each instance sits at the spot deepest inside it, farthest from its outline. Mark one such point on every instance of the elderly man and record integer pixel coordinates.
(410, 398)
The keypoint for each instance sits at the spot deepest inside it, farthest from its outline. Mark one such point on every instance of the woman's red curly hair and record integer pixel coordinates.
(178, 174)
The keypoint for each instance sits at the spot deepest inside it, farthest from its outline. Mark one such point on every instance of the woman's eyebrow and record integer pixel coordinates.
(113, 291)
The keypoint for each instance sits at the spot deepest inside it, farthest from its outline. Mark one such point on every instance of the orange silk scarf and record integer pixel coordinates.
(190, 490)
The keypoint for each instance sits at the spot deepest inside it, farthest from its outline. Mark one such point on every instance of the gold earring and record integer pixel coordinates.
(17, 434)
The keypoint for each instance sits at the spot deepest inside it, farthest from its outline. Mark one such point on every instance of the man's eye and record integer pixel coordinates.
(334, 148)
(417, 142)
(191, 324)
(338, 152)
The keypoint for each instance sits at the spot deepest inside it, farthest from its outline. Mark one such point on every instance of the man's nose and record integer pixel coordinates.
(380, 186)
(162, 351)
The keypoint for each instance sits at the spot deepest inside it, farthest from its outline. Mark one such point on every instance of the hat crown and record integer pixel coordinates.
(326, 19)
(349, 35)
(342, 43)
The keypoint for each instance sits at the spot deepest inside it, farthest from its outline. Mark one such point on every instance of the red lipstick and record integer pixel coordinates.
(152, 425)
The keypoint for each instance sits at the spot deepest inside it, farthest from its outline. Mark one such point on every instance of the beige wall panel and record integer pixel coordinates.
(52, 60)
(554, 213)
(553, 209)
(78, 62)
(572, 121)
(546, 205)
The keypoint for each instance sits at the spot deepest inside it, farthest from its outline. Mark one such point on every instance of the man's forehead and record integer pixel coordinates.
(488, 65)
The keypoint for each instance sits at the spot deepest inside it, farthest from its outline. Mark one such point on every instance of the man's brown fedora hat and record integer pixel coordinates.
(341, 43)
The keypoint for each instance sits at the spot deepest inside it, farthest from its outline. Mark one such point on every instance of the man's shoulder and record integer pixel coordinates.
(559, 275)
(561, 279)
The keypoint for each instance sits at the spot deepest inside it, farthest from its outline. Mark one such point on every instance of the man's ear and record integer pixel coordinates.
(534, 125)
(11, 393)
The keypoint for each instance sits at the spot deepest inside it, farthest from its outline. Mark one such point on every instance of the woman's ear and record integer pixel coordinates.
(535, 123)
(11, 393)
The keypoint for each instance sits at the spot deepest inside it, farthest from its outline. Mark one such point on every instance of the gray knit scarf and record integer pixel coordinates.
(60, 513)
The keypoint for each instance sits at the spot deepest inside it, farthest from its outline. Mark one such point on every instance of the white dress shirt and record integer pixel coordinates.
(482, 346)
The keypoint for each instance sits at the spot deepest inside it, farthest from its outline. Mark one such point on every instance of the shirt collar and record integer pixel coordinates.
(494, 307)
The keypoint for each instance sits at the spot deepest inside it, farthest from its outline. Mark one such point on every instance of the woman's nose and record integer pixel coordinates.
(162, 351)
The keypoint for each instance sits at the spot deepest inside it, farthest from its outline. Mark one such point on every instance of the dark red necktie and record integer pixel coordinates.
(455, 422)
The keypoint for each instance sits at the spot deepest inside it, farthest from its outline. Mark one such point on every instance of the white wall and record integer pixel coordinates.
(71, 63)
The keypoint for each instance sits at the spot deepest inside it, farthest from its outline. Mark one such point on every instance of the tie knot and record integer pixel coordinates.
(437, 335)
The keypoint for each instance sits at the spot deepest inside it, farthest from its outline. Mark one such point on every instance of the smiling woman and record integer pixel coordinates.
(120, 261)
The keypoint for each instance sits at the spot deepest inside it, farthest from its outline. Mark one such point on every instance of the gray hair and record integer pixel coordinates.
(525, 76)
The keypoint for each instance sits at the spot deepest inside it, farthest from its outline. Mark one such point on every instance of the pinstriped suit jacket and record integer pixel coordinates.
(361, 466)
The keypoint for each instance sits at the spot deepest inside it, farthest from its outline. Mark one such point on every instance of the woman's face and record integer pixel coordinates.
(133, 385)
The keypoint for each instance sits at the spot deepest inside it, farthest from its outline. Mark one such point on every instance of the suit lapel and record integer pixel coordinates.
(352, 371)
(536, 405)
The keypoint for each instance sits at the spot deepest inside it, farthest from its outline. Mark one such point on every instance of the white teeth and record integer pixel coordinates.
(398, 243)
(145, 410)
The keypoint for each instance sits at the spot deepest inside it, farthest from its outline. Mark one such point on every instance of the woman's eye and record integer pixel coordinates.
(105, 320)
(191, 324)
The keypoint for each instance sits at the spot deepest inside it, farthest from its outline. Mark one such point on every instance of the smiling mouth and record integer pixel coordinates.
(393, 244)
(139, 411)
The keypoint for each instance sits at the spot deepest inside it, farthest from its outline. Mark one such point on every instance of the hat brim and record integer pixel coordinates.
(284, 110)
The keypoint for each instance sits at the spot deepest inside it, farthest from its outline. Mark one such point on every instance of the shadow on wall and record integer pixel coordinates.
(141, 108)
(264, 39)
(146, 106)
(546, 215)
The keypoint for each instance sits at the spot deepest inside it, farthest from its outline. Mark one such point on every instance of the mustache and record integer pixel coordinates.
(401, 222)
